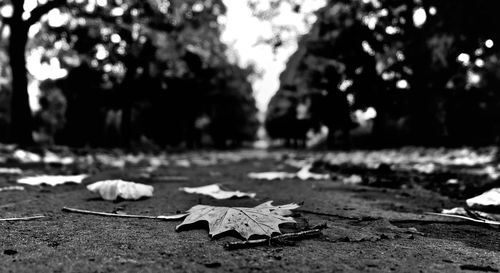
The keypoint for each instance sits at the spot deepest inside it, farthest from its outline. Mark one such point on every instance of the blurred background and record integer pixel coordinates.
(194, 74)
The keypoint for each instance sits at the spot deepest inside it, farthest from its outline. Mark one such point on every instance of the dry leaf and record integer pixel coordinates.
(271, 175)
(26, 157)
(217, 192)
(112, 189)
(306, 174)
(352, 180)
(12, 188)
(10, 171)
(261, 220)
(303, 174)
(52, 180)
(489, 198)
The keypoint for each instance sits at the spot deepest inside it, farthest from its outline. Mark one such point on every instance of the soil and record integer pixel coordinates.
(371, 227)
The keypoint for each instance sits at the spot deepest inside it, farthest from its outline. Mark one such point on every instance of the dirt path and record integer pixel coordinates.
(370, 229)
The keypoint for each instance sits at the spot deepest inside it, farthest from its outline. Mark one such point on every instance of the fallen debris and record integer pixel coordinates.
(489, 198)
(51, 180)
(352, 180)
(277, 240)
(271, 175)
(306, 174)
(113, 189)
(303, 174)
(470, 215)
(216, 191)
(22, 218)
(121, 215)
(10, 171)
(12, 188)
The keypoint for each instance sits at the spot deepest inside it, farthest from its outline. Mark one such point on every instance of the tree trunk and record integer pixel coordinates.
(21, 117)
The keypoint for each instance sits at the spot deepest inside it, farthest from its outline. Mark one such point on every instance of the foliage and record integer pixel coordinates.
(128, 62)
(425, 66)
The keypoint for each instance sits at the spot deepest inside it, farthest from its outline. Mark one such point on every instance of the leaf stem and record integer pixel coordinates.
(296, 236)
(21, 218)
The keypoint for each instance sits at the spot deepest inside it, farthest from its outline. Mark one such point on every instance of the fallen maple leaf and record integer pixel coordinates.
(217, 192)
(112, 189)
(263, 219)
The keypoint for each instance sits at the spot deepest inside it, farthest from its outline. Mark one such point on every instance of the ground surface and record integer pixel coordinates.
(378, 226)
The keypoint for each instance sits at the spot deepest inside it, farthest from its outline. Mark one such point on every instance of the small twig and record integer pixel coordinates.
(489, 222)
(22, 218)
(297, 236)
(161, 217)
(424, 222)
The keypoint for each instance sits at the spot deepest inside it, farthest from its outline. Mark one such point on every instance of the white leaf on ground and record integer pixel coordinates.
(352, 180)
(217, 192)
(183, 163)
(112, 189)
(306, 174)
(303, 174)
(271, 175)
(261, 220)
(10, 171)
(26, 157)
(51, 157)
(489, 198)
(12, 188)
(51, 180)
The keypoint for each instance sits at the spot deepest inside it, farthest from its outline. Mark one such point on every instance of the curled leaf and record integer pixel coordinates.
(112, 189)
(489, 198)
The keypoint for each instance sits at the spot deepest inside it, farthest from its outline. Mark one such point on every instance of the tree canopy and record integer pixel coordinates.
(426, 67)
(125, 63)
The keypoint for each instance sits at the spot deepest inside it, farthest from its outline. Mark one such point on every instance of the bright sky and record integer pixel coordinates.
(243, 31)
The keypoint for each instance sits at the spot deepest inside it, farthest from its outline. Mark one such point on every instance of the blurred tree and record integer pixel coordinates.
(420, 64)
(232, 110)
(5, 86)
(19, 23)
(130, 62)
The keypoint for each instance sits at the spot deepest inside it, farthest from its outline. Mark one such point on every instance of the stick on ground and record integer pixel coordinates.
(21, 218)
(296, 236)
(483, 221)
(161, 217)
